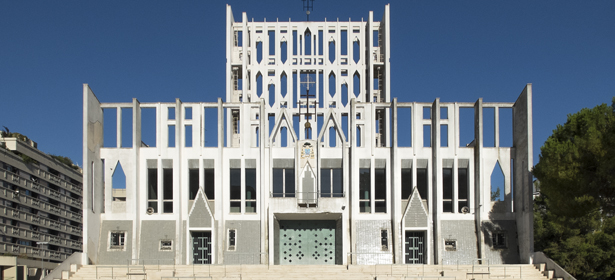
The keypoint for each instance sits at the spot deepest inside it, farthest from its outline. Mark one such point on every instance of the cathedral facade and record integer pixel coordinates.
(307, 160)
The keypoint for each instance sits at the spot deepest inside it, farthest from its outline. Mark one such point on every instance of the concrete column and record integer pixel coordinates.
(478, 178)
(436, 181)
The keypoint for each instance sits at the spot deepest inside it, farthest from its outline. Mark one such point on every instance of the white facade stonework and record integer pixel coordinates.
(308, 143)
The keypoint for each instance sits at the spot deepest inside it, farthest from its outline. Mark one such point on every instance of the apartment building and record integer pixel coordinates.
(40, 203)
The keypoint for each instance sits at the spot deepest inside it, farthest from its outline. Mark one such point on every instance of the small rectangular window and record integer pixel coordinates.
(450, 245)
(499, 240)
(231, 239)
(384, 240)
(166, 245)
(116, 240)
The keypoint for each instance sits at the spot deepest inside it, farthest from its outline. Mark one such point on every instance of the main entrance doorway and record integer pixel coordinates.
(201, 247)
(307, 242)
(415, 247)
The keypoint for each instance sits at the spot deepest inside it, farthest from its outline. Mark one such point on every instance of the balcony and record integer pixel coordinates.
(33, 251)
(41, 221)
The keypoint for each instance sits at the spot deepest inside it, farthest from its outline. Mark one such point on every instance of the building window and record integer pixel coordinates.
(498, 239)
(167, 187)
(331, 182)
(447, 190)
(250, 191)
(235, 189)
(232, 239)
(364, 190)
(210, 181)
(462, 192)
(152, 190)
(193, 182)
(116, 240)
(450, 245)
(406, 183)
(243, 190)
(384, 240)
(422, 182)
(380, 189)
(166, 245)
(283, 182)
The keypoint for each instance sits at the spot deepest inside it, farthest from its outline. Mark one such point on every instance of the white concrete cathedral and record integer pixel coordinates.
(307, 161)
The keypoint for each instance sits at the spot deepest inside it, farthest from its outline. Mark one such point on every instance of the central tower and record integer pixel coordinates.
(294, 85)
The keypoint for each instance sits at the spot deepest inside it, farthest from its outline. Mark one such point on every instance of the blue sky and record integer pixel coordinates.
(162, 50)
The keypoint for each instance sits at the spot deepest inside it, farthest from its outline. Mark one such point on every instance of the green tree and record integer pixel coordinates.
(495, 195)
(574, 216)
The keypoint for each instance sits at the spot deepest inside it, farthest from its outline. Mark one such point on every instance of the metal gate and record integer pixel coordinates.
(201, 247)
(307, 242)
(415, 247)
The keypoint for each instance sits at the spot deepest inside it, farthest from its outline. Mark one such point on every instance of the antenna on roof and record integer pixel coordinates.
(308, 6)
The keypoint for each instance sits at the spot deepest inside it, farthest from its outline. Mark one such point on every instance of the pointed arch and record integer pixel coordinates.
(283, 84)
(118, 178)
(332, 84)
(330, 117)
(200, 215)
(283, 116)
(415, 214)
(356, 84)
(259, 84)
(308, 43)
(332, 49)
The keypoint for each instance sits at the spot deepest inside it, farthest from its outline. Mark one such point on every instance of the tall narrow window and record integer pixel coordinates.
(171, 138)
(193, 182)
(325, 182)
(283, 182)
(384, 240)
(278, 182)
(289, 182)
(210, 181)
(422, 182)
(308, 42)
(406, 183)
(235, 179)
(167, 186)
(152, 189)
(462, 192)
(364, 190)
(231, 239)
(250, 190)
(380, 190)
(447, 190)
(331, 182)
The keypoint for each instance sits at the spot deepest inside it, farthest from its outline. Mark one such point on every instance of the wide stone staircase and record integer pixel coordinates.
(320, 272)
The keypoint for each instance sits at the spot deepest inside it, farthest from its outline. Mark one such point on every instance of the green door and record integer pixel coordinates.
(307, 242)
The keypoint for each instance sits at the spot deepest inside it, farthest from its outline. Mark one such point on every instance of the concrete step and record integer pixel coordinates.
(326, 272)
